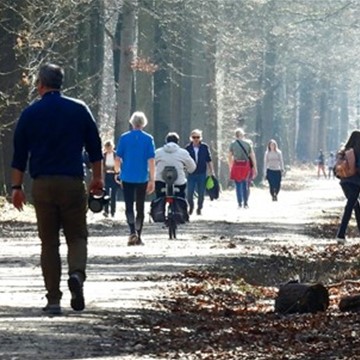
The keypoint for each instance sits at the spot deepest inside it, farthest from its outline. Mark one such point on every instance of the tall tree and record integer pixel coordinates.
(144, 61)
(127, 52)
(13, 82)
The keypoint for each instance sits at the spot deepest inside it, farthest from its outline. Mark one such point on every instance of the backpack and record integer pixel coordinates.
(157, 209)
(180, 207)
(345, 165)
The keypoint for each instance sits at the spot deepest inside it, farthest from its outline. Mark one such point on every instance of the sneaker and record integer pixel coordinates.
(105, 214)
(340, 240)
(52, 309)
(76, 288)
(191, 209)
(198, 211)
(133, 240)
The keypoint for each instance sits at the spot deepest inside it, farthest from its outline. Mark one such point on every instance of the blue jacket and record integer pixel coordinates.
(135, 148)
(204, 157)
(52, 133)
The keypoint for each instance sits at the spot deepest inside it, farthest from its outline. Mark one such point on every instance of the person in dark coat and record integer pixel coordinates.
(200, 153)
(50, 136)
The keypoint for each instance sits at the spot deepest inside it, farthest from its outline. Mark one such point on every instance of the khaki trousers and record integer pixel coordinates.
(60, 203)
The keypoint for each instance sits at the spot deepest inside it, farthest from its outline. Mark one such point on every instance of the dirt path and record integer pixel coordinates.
(123, 282)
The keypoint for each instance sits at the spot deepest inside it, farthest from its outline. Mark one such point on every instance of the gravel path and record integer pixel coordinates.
(123, 281)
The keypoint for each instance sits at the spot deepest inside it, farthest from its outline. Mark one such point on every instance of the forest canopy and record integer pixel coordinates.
(282, 69)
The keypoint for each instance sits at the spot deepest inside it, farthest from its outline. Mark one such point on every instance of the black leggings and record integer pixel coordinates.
(134, 192)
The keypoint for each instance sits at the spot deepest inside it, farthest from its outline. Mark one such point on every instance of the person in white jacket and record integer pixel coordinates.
(171, 154)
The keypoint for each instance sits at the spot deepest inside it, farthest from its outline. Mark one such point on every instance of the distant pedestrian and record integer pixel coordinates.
(273, 168)
(330, 165)
(51, 134)
(351, 189)
(242, 164)
(135, 167)
(321, 164)
(111, 185)
(196, 181)
(250, 178)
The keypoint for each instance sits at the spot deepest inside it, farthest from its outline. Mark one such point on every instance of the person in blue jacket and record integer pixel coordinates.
(135, 168)
(51, 135)
(200, 152)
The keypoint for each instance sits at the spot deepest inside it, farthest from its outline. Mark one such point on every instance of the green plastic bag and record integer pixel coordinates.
(209, 183)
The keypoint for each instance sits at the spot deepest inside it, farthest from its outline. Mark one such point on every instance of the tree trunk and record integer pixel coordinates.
(13, 85)
(265, 122)
(161, 88)
(96, 60)
(211, 98)
(125, 84)
(344, 115)
(306, 115)
(299, 298)
(145, 79)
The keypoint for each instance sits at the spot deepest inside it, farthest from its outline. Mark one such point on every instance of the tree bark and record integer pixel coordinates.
(304, 151)
(125, 84)
(145, 80)
(13, 85)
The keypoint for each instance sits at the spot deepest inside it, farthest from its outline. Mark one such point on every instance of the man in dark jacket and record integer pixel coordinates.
(200, 152)
(52, 133)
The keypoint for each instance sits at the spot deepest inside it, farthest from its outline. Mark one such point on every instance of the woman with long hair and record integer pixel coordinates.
(273, 168)
(111, 186)
(351, 188)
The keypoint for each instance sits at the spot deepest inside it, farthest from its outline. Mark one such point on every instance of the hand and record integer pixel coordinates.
(150, 187)
(254, 173)
(117, 179)
(18, 199)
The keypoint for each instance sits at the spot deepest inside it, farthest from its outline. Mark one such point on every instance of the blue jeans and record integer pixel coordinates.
(196, 182)
(351, 192)
(241, 192)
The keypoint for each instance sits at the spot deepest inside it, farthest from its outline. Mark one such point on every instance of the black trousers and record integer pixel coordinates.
(274, 179)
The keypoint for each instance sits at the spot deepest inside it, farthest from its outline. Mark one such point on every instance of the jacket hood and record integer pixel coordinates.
(171, 147)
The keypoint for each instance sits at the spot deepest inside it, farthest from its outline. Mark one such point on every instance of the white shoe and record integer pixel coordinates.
(340, 241)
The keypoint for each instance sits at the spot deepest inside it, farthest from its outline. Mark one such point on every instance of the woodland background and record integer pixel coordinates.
(282, 69)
